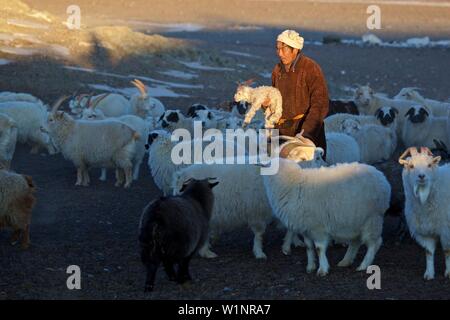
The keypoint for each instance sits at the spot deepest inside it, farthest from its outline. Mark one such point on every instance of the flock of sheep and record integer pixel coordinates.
(343, 199)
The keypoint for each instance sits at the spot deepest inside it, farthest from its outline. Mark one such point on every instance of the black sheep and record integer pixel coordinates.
(173, 229)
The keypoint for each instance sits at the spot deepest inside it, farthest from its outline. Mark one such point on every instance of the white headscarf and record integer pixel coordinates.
(291, 38)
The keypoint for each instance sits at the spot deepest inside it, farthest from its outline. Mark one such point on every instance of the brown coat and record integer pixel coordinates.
(304, 91)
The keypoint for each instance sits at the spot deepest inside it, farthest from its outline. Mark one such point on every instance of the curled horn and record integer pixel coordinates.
(97, 101)
(426, 150)
(411, 150)
(58, 103)
(141, 86)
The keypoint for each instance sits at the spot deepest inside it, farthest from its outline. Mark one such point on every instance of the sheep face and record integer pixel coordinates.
(417, 114)
(419, 171)
(407, 94)
(363, 95)
(350, 126)
(170, 118)
(152, 136)
(195, 107)
(243, 93)
(205, 116)
(386, 115)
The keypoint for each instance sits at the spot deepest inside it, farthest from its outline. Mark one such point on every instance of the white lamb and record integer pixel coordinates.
(96, 144)
(421, 128)
(345, 202)
(29, 118)
(376, 143)
(269, 97)
(8, 138)
(438, 108)
(427, 206)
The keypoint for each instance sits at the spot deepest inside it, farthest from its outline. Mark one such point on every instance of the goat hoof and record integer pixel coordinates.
(322, 272)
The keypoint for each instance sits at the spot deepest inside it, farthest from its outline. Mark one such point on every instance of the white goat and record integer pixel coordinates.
(13, 96)
(269, 97)
(111, 104)
(345, 202)
(142, 105)
(97, 144)
(29, 118)
(8, 139)
(427, 209)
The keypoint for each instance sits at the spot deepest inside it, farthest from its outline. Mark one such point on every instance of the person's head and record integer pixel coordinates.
(289, 44)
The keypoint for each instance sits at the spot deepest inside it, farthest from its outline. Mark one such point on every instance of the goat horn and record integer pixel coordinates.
(58, 103)
(96, 102)
(141, 87)
(410, 150)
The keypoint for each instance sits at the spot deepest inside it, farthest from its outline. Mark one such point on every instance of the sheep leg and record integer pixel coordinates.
(103, 175)
(372, 248)
(170, 271)
(447, 262)
(86, 179)
(258, 231)
(119, 177)
(128, 177)
(205, 251)
(429, 244)
(183, 270)
(136, 168)
(350, 255)
(321, 247)
(79, 176)
(286, 248)
(310, 254)
(152, 267)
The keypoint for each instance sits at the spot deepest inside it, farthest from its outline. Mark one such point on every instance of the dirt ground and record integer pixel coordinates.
(96, 227)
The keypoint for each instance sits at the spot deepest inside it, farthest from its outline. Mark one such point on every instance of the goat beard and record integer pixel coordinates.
(422, 191)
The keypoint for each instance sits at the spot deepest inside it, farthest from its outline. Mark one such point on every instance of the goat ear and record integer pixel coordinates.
(410, 112)
(426, 112)
(213, 184)
(436, 160)
(378, 113)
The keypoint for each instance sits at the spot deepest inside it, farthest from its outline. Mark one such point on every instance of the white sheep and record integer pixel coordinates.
(427, 209)
(438, 108)
(29, 118)
(171, 120)
(421, 128)
(266, 96)
(368, 102)
(8, 139)
(341, 148)
(97, 144)
(345, 202)
(376, 143)
(334, 122)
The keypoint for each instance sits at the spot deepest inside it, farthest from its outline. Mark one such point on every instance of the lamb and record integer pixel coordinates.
(333, 123)
(331, 203)
(100, 144)
(376, 143)
(427, 209)
(29, 118)
(16, 205)
(269, 97)
(421, 128)
(135, 122)
(8, 138)
(173, 229)
(438, 108)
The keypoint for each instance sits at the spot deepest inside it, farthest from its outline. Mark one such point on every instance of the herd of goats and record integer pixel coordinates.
(342, 199)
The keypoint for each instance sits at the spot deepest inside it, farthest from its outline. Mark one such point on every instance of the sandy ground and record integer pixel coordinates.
(96, 227)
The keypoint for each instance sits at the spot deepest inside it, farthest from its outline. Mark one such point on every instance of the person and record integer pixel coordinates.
(303, 89)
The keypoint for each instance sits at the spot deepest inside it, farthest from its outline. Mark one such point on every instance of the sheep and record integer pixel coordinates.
(30, 118)
(341, 148)
(111, 104)
(333, 123)
(195, 107)
(438, 108)
(173, 229)
(269, 97)
(13, 96)
(345, 202)
(376, 143)
(171, 120)
(368, 102)
(8, 138)
(427, 209)
(135, 122)
(101, 144)
(421, 128)
(16, 205)
(143, 105)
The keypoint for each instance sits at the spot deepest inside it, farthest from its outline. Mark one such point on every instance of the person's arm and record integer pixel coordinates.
(318, 109)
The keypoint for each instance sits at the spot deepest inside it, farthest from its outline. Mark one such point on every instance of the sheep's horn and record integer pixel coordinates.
(96, 102)
(411, 150)
(58, 103)
(426, 150)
